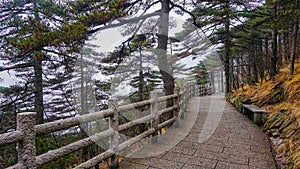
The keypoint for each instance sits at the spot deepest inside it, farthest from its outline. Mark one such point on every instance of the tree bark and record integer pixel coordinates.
(164, 66)
(280, 53)
(222, 79)
(293, 58)
(286, 47)
(227, 48)
(141, 77)
(274, 58)
(261, 67)
(38, 94)
(255, 61)
(38, 77)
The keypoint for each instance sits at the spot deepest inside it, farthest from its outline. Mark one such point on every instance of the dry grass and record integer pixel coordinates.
(281, 97)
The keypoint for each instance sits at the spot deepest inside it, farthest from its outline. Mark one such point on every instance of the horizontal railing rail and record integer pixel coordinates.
(27, 131)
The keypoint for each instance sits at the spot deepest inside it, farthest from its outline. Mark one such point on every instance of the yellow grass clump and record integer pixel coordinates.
(280, 96)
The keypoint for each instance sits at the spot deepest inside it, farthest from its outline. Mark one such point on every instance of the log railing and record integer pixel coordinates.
(26, 131)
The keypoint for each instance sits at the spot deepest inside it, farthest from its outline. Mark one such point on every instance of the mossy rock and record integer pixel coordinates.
(273, 133)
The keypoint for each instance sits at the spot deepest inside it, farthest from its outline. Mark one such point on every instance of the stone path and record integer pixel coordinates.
(213, 135)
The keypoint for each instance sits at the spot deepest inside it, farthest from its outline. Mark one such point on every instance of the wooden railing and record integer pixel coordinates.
(26, 132)
(204, 90)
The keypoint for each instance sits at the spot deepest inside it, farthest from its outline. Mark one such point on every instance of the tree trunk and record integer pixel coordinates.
(141, 77)
(250, 65)
(286, 47)
(266, 56)
(239, 76)
(274, 58)
(280, 53)
(293, 58)
(38, 94)
(165, 67)
(222, 79)
(38, 77)
(227, 48)
(232, 76)
(82, 90)
(212, 77)
(255, 61)
(163, 64)
(261, 67)
(244, 71)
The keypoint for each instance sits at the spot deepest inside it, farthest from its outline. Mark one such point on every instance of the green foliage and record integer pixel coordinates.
(47, 143)
(52, 32)
(201, 76)
(187, 29)
(140, 41)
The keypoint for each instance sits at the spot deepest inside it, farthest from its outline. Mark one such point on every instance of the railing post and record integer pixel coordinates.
(154, 109)
(184, 100)
(26, 148)
(190, 90)
(114, 140)
(197, 89)
(187, 90)
(200, 89)
(176, 102)
(193, 89)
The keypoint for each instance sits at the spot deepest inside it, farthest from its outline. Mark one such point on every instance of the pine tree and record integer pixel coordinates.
(34, 34)
(32, 38)
(218, 17)
(201, 73)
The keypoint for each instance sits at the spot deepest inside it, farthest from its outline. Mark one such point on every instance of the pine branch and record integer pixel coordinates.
(22, 65)
(15, 100)
(123, 22)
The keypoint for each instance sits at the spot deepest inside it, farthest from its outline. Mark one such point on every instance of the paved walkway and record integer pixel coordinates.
(213, 135)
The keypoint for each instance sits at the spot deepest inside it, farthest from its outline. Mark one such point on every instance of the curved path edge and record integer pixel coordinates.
(232, 141)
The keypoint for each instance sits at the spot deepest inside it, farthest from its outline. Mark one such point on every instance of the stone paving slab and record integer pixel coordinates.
(228, 141)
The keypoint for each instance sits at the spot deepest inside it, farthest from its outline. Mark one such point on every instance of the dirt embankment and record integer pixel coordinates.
(281, 97)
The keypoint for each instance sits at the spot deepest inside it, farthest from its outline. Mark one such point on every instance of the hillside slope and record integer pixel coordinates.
(281, 97)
